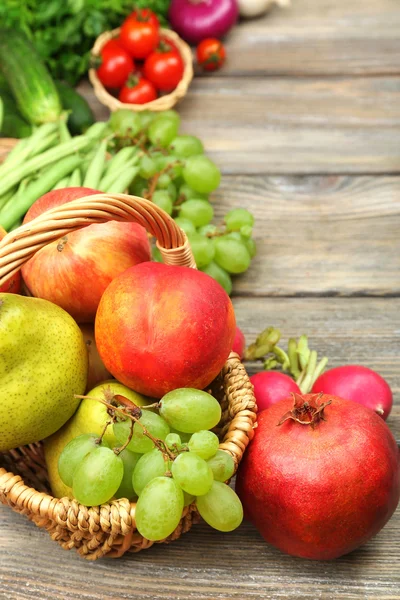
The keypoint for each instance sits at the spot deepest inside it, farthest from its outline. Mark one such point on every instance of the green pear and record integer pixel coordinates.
(91, 417)
(43, 364)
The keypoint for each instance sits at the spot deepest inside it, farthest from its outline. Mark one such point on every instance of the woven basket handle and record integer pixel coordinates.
(20, 245)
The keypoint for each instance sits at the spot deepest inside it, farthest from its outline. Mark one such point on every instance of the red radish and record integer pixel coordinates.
(272, 386)
(325, 481)
(239, 342)
(359, 384)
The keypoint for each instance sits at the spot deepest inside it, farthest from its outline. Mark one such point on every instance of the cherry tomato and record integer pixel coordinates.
(164, 69)
(146, 15)
(211, 54)
(137, 90)
(139, 38)
(115, 65)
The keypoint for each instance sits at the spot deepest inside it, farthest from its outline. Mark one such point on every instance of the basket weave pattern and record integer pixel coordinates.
(161, 103)
(109, 529)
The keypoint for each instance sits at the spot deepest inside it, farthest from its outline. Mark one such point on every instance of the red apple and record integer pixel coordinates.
(12, 285)
(239, 342)
(159, 328)
(74, 271)
(271, 386)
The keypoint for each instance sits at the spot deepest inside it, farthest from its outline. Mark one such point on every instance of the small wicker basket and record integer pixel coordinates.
(163, 102)
(109, 529)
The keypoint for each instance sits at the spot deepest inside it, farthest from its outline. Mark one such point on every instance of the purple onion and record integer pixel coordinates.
(195, 20)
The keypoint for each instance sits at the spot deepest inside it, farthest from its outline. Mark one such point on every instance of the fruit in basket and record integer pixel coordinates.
(357, 383)
(239, 343)
(113, 65)
(220, 507)
(12, 285)
(172, 327)
(96, 369)
(190, 410)
(164, 67)
(91, 417)
(271, 387)
(43, 363)
(97, 477)
(139, 36)
(137, 90)
(320, 477)
(159, 508)
(74, 271)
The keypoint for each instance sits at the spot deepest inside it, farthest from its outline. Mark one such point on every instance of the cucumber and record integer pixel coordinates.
(13, 125)
(30, 82)
(81, 116)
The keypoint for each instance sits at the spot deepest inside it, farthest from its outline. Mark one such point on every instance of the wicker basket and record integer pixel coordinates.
(161, 103)
(109, 529)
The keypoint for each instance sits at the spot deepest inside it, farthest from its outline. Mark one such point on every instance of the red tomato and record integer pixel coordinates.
(115, 65)
(211, 54)
(164, 69)
(146, 15)
(139, 38)
(137, 91)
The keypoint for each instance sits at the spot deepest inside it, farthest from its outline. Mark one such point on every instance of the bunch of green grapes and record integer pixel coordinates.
(167, 460)
(176, 175)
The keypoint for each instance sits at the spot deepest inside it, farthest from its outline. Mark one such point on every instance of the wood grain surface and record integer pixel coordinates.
(275, 125)
(207, 565)
(304, 121)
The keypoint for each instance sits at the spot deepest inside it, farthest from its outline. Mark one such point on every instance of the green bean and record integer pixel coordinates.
(16, 225)
(6, 197)
(120, 158)
(13, 156)
(123, 181)
(33, 143)
(75, 179)
(64, 131)
(42, 160)
(111, 176)
(96, 130)
(63, 183)
(21, 203)
(93, 174)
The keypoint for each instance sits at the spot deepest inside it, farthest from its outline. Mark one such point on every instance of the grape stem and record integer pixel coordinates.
(152, 188)
(100, 438)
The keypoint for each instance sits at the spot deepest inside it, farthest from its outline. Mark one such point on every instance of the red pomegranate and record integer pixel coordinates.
(321, 476)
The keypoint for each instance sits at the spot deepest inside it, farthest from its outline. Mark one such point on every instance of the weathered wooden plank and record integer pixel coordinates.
(334, 235)
(204, 564)
(293, 126)
(323, 38)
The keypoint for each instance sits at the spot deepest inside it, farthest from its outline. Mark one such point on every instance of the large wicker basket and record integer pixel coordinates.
(163, 102)
(109, 529)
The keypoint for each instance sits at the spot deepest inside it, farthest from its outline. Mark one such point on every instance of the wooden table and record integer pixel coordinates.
(304, 122)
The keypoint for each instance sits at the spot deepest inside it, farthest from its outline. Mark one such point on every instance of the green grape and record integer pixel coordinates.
(159, 509)
(74, 453)
(246, 231)
(125, 122)
(201, 174)
(208, 229)
(186, 145)
(202, 248)
(150, 465)
(162, 199)
(175, 165)
(200, 212)
(232, 255)
(171, 115)
(236, 218)
(192, 474)
(146, 117)
(234, 235)
(222, 465)
(171, 189)
(204, 444)
(220, 507)
(140, 443)
(147, 167)
(188, 499)
(162, 131)
(163, 181)
(251, 247)
(156, 254)
(185, 437)
(220, 275)
(130, 460)
(173, 441)
(138, 187)
(98, 477)
(187, 193)
(190, 410)
(185, 224)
